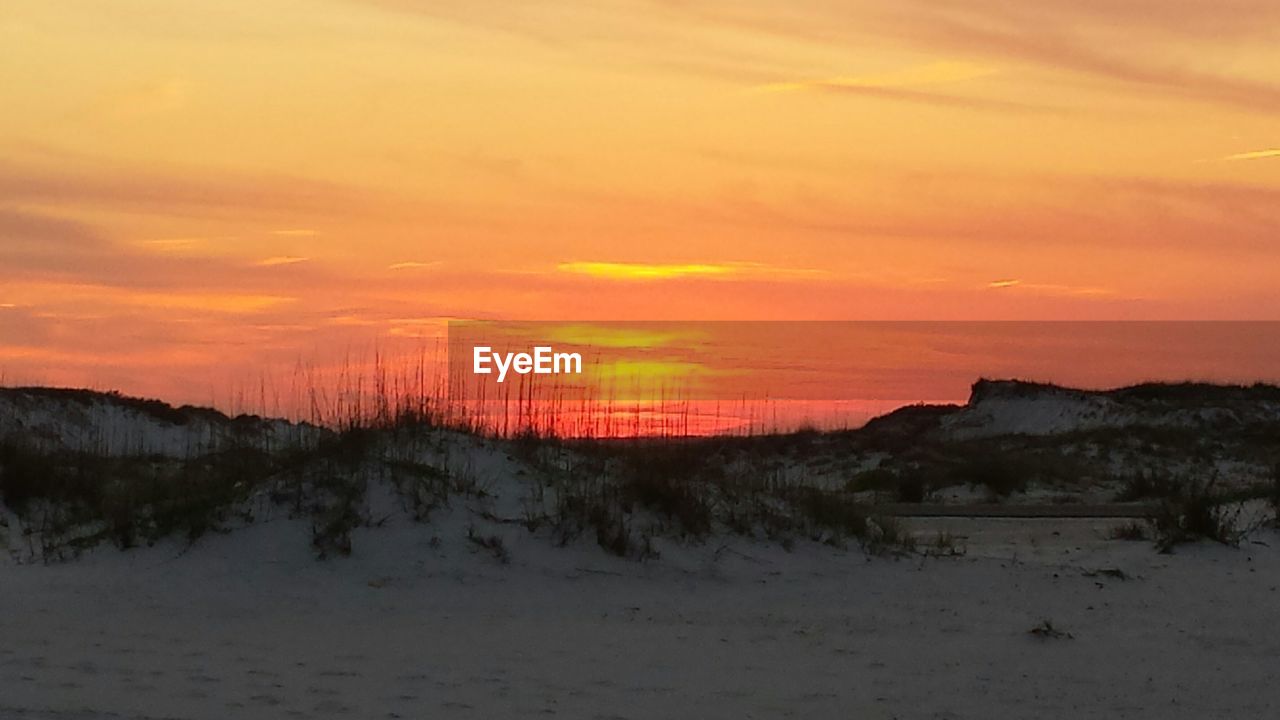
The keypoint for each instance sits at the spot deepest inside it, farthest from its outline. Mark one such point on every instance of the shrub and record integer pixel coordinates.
(612, 532)
(21, 474)
(493, 544)
(337, 502)
(886, 533)
(1197, 512)
(1145, 485)
(906, 487)
(877, 479)
(912, 489)
(826, 510)
(995, 470)
(1131, 530)
(682, 501)
(1275, 495)
(945, 544)
(667, 481)
(424, 487)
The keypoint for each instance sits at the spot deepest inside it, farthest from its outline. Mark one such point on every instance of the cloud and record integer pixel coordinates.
(79, 182)
(927, 97)
(230, 303)
(281, 260)
(1174, 19)
(935, 73)
(910, 84)
(1073, 43)
(172, 245)
(43, 235)
(412, 265)
(1254, 155)
(1157, 44)
(627, 271)
(643, 271)
(57, 252)
(981, 212)
(1048, 288)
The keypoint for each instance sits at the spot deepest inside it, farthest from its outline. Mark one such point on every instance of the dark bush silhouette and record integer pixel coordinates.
(1001, 474)
(1198, 512)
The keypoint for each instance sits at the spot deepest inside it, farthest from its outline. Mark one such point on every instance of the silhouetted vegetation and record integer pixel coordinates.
(1146, 485)
(1198, 511)
(625, 495)
(1275, 495)
(1000, 474)
(1132, 530)
(492, 544)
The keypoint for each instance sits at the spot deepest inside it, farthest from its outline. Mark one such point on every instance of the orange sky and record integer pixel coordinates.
(192, 193)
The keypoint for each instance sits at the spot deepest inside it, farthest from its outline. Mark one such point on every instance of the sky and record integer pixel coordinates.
(194, 194)
(664, 377)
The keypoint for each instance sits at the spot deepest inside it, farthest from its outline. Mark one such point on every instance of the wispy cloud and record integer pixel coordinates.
(412, 265)
(1254, 155)
(234, 304)
(1047, 288)
(1112, 40)
(671, 271)
(171, 245)
(1050, 41)
(938, 99)
(295, 232)
(644, 271)
(915, 84)
(49, 249)
(82, 182)
(281, 260)
(935, 73)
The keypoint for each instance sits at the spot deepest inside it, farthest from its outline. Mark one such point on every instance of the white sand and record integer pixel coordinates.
(248, 625)
(420, 623)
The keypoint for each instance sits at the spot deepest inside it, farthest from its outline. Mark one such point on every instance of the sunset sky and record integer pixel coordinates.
(195, 192)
